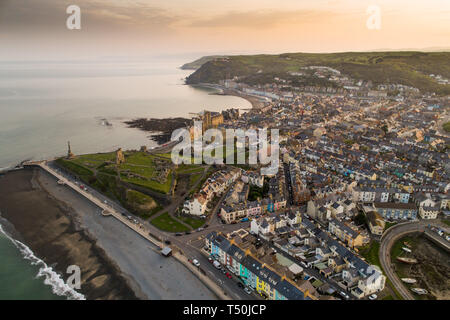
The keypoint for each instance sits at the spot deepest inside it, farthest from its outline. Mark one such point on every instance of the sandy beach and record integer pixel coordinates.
(256, 102)
(60, 226)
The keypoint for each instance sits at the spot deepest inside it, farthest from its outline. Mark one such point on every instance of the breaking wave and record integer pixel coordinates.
(51, 278)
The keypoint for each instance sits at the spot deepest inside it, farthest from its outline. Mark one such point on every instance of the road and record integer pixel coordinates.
(105, 205)
(229, 286)
(287, 176)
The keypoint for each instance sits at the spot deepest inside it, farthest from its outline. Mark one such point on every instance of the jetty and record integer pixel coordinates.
(440, 241)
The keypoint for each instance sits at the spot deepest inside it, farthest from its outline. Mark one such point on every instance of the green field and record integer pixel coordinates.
(94, 160)
(370, 253)
(141, 166)
(97, 171)
(150, 184)
(166, 223)
(407, 68)
(446, 126)
(83, 173)
(142, 204)
(189, 168)
(193, 178)
(193, 222)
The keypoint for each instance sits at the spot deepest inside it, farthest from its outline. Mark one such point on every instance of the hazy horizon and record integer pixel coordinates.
(31, 30)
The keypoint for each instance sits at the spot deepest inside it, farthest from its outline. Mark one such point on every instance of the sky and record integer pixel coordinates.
(36, 30)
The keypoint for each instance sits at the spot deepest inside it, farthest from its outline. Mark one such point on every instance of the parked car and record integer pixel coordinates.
(187, 232)
(373, 297)
(217, 264)
(196, 263)
(210, 259)
(344, 295)
(247, 290)
(178, 234)
(167, 242)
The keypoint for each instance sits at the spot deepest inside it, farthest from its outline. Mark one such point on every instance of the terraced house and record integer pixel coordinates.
(252, 272)
(396, 211)
(346, 234)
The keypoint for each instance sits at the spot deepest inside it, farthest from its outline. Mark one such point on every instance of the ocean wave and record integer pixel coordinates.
(51, 278)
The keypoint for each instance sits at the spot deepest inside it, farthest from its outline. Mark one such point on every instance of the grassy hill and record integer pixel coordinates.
(407, 68)
(446, 126)
(194, 65)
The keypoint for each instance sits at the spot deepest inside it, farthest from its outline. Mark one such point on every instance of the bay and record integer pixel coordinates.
(43, 105)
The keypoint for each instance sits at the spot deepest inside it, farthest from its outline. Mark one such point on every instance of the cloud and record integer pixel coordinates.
(23, 16)
(261, 19)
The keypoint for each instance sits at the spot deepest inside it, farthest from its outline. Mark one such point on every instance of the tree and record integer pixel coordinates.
(361, 219)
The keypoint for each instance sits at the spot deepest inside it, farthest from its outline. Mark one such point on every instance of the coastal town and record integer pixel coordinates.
(355, 163)
(225, 159)
(362, 170)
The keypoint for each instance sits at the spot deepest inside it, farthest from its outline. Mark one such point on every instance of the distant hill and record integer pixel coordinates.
(194, 65)
(411, 68)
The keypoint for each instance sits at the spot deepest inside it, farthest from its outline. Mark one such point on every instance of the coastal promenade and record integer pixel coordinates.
(142, 230)
(107, 209)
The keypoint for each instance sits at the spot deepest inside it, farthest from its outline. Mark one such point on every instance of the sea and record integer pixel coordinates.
(46, 104)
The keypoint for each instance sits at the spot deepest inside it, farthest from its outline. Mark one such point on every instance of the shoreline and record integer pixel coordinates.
(50, 230)
(256, 102)
(145, 271)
